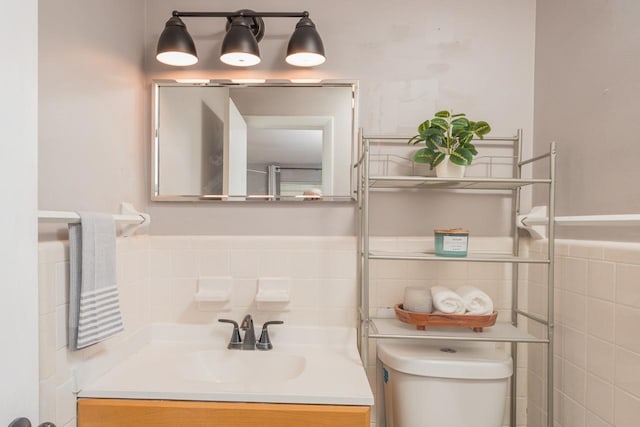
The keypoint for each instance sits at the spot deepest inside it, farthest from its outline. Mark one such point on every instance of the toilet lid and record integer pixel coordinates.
(462, 360)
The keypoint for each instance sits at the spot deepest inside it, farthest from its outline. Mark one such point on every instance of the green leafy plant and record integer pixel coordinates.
(448, 134)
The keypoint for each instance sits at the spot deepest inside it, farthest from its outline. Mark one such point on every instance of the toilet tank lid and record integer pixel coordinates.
(461, 360)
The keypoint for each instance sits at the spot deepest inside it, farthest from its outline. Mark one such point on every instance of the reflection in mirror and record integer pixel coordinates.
(275, 142)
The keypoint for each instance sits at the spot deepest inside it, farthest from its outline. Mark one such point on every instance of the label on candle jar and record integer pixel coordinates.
(455, 243)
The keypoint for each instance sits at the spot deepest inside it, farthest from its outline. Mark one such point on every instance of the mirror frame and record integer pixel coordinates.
(155, 173)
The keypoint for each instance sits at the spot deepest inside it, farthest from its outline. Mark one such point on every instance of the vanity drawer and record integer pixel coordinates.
(165, 413)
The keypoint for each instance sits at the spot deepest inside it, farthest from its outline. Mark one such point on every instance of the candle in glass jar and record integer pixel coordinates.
(417, 299)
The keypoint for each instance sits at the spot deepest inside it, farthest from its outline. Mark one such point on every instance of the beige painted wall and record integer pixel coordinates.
(587, 98)
(411, 57)
(95, 115)
(92, 134)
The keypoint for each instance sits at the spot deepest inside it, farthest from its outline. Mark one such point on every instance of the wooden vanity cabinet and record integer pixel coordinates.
(166, 413)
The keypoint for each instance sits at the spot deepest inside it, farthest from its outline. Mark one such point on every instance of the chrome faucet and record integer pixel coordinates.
(249, 340)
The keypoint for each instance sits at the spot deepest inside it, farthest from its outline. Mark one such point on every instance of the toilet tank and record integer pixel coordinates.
(444, 384)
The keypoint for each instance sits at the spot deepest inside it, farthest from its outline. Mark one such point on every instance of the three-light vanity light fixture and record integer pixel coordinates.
(245, 28)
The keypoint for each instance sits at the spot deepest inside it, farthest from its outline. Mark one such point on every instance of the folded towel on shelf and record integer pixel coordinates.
(94, 307)
(475, 300)
(447, 301)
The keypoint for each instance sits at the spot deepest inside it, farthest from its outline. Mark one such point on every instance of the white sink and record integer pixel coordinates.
(307, 365)
(238, 366)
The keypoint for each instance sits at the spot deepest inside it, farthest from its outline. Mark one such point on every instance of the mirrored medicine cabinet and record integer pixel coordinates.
(261, 141)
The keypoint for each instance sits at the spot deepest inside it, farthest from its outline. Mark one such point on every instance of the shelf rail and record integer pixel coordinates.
(398, 164)
(128, 216)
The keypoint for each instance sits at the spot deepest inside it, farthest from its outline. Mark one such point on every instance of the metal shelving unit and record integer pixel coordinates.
(507, 332)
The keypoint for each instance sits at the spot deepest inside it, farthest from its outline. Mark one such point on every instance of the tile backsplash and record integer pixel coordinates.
(57, 363)
(158, 278)
(597, 339)
(321, 270)
(597, 307)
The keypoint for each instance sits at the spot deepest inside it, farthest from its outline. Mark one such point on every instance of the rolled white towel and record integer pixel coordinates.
(475, 300)
(447, 301)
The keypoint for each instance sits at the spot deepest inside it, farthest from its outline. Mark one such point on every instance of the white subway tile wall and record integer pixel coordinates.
(57, 397)
(157, 279)
(322, 272)
(597, 354)
(597, 307)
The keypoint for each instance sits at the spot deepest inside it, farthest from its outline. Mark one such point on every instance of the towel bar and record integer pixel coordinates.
(128, 216)
(535, 221)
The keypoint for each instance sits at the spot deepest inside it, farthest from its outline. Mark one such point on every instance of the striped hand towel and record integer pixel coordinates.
(94, 308)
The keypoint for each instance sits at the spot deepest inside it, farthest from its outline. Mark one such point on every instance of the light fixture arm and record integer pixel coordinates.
(241, 13)
(256, 25)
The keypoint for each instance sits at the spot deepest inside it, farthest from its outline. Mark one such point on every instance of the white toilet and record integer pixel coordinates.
(444, 384)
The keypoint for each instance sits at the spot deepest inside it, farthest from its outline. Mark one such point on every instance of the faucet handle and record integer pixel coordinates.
(235, 341)
(264, 343)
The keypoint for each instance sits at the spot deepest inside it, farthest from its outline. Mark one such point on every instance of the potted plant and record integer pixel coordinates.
(448, 142)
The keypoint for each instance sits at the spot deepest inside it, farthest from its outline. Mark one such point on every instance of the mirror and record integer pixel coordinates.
(225, 141)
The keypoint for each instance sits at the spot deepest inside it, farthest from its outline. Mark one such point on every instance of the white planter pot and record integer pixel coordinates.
(447, 169)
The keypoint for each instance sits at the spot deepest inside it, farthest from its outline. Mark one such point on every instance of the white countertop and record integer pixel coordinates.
(329, 370)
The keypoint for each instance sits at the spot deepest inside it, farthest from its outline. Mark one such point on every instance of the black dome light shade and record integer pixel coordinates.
(305, 47)
(175, 45)
(244, 30)
(240, 47)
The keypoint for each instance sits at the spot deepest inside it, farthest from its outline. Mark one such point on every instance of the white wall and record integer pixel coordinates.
(18, 176)
(93, 141)
(587, 99)
(411, 57)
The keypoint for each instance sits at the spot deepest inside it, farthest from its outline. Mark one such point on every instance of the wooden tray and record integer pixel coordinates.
(422, 320)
